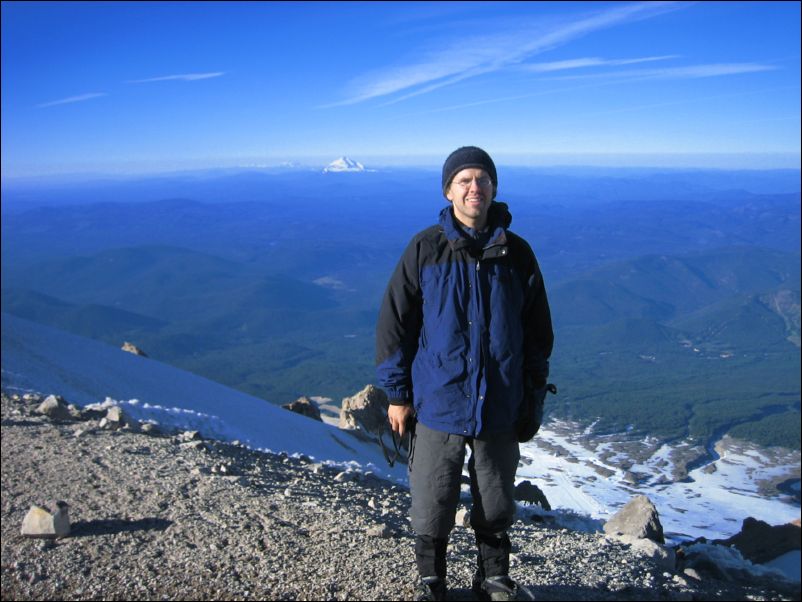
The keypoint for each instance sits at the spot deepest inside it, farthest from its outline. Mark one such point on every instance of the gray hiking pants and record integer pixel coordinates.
(435, 470)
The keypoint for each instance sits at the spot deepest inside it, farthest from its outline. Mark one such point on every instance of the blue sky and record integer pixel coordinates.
(126, 87)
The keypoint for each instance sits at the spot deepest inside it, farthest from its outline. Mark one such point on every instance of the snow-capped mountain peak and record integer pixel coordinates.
(344, 164)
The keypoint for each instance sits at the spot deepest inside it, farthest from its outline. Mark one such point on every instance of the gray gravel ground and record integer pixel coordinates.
(157, 518)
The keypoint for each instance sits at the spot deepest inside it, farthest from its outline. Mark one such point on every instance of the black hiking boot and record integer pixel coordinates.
(500, 587)
(431, 588)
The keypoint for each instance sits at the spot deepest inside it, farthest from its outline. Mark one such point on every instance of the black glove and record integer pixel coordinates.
(532, 411)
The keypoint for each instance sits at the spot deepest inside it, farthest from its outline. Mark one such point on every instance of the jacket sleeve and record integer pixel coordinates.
(538, 333)
(398, 328)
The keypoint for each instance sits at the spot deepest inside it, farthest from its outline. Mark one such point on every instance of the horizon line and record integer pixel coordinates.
(670, 161)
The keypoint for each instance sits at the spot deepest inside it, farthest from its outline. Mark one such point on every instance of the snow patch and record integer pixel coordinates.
(83, 371)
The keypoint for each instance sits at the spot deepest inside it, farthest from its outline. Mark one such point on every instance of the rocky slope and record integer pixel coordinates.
(158, 516)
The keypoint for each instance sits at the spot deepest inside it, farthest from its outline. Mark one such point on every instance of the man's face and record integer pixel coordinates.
(471, 192)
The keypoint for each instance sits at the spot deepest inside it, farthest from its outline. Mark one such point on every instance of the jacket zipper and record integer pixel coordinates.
(475, 372)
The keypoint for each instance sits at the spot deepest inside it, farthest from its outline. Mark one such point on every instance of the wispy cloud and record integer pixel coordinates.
(478, 55)
(687, 72)
(71, 99)
(594, 82)
(536, 67)
(186, 77)
(590, 62)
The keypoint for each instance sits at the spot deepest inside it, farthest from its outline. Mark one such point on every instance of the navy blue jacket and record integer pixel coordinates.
(463, 326)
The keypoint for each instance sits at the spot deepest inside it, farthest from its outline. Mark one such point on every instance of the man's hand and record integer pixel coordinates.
(399, 417)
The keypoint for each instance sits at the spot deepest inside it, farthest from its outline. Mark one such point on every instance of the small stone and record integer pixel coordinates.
(41, 522)
(382, 531)
(131, 348)
(54, 407)
(116, 416)
(35, 578)
(305, 407)
(463, 518)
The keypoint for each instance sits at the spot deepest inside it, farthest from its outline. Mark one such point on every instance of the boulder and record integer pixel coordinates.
(115, 414)
(305, 407)
(131, 348)
(44, 523)
(529, 493)
(54, 407)
(114, 419)
(761, 542)
(366, 410)
(638, 518)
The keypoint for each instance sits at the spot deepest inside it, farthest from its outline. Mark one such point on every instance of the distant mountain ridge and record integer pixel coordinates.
(675, 298)
(669, 286)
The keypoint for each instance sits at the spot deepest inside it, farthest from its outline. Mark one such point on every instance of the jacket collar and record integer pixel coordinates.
(498, 220)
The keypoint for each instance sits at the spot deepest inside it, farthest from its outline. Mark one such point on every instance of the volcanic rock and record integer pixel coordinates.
(305, 407)
(638, 518)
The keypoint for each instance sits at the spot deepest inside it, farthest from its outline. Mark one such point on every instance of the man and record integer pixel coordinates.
(463, 341)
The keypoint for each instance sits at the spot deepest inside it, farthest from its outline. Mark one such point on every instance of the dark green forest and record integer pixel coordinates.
(676, 315)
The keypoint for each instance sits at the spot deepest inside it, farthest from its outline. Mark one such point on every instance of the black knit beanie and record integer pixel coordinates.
(464, 157)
